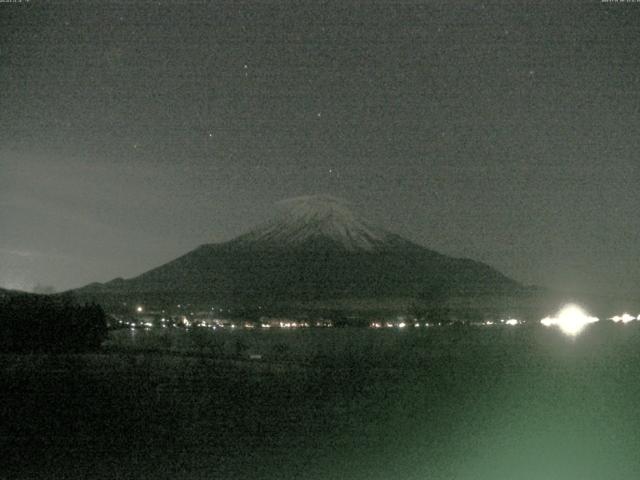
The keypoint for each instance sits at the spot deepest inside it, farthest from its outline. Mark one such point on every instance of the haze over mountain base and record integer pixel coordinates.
(318, 255)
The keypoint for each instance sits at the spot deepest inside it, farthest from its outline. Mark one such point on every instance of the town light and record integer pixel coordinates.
(571, 320)
(624, 318)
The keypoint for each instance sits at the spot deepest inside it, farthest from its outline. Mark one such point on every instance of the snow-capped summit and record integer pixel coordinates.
(315, 249)
(313, 217)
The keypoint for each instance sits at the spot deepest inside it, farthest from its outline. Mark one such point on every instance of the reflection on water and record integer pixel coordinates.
(476, 404)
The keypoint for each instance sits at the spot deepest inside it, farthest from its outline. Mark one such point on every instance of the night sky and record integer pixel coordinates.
(507, 132)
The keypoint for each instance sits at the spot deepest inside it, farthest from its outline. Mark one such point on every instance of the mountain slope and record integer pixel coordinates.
(309, 218)
(316, 248)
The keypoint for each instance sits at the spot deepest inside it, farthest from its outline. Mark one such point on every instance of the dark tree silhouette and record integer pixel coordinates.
(38, 323)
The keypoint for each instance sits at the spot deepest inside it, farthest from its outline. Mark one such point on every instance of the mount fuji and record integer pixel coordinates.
(316, 249)
(309, 219)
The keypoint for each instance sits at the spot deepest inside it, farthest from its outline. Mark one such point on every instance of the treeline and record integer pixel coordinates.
(39, 323)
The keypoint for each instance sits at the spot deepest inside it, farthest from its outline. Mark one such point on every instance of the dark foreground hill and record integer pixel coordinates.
(47, 323)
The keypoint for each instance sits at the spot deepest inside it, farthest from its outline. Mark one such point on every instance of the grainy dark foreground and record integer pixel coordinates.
(504, 404)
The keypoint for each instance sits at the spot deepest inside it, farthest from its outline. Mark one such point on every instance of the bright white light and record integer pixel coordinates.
(547, 321)
(624, 318)
(512, 322)
(571, 320)
(402, 325)
(139, 309)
